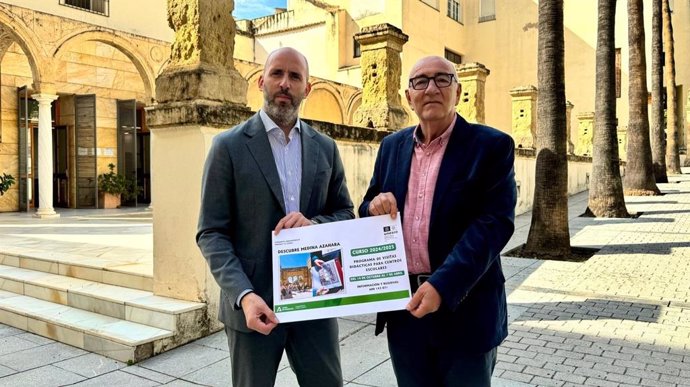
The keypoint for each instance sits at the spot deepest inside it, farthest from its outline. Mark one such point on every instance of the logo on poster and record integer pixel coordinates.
(389, 232)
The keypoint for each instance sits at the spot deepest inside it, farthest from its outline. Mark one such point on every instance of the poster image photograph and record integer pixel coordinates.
(311, 274)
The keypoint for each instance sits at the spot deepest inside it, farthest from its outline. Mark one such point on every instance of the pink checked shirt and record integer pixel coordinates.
(426, 162)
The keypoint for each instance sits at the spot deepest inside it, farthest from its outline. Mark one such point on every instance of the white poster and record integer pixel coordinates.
(339, 269)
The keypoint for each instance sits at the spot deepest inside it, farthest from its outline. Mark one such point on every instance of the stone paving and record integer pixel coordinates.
(620, 319)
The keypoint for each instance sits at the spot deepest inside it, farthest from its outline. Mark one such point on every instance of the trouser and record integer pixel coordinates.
(419, 363)
(312, 349)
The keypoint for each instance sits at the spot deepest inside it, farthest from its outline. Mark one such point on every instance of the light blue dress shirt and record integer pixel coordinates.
(288, 159)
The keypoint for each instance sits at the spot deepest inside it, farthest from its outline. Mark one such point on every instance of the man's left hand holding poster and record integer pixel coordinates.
(339, 269)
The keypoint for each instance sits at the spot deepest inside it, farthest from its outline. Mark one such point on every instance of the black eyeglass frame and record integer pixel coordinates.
(411, 83)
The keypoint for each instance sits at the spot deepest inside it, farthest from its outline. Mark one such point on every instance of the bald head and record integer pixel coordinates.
(432, 61)
(433, 94)
(285, 83)
(287, 52)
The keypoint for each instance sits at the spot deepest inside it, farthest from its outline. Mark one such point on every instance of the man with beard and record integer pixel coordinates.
(270, 173)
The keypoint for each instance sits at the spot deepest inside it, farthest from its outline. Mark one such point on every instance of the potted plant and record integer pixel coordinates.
(111, 186)
(6, 182)
(132, 190)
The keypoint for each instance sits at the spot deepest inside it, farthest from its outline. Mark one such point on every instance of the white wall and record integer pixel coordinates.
(359, 160)
(525, 168)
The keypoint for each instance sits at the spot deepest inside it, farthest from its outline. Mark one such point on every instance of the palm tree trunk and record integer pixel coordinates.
(549, 234)
(658, 134)
(606, 188)
(639, 175)
(672, 133)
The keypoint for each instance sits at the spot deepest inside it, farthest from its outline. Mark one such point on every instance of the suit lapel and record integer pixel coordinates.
(404, 161)
(260, 149)
(310, 155)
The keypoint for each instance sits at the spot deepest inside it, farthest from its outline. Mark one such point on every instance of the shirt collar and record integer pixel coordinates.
(418, 136)
(269, 124)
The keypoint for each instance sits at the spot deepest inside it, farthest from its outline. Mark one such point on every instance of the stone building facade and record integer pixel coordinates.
(89, 78)
(92, 74)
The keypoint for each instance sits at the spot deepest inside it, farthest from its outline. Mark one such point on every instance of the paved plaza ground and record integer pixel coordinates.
(622, 318)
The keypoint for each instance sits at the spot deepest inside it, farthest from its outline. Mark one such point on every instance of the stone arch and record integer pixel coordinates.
(162, 67)
(255, 98)
(353, 104)
(323, 104)
(122, 44)
(28, 42)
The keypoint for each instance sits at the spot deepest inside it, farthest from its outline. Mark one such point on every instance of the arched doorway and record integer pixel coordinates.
(105, 87)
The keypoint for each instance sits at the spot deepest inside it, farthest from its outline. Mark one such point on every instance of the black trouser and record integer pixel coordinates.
(311, 346)
(419, 363)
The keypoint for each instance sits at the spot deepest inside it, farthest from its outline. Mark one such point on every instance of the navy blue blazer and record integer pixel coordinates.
(472, 219)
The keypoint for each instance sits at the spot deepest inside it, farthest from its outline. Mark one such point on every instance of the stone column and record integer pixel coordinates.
(381, 73)
(199, 95)
(524, 116)
(201, 66)
(45, 156)
(585, 133)
(568, 113)
(472, 77)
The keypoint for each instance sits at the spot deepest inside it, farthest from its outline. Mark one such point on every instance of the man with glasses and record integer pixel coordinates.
(454, 185)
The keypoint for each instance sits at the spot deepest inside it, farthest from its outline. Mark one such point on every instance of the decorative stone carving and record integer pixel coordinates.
(201, 59)
(381, 71)
(472, 78)
(524, 116)
(6, 40)
(585, 133)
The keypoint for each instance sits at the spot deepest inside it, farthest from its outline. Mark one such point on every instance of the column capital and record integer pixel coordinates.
(585, 116)
(44, 97)
(470, 70)
(524, 91)
(381, 35)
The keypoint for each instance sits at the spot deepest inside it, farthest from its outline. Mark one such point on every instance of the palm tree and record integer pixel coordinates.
(606, 188)
(639, 175)
(672, 133)
(658, 135)
(549, 234)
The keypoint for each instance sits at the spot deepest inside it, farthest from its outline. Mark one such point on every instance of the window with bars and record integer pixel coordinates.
(455, 10)
(487, 10)
(101, 7)
(453, 56)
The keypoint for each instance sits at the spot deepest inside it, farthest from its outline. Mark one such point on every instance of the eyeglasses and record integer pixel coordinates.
(422, 82)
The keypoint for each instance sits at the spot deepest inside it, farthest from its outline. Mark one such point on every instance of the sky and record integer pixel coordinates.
(251, 9)
(289, 261)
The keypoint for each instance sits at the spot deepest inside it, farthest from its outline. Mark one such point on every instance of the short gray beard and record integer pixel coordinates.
(283, 116)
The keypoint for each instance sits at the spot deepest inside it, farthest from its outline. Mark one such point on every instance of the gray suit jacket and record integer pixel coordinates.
(242, 201)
